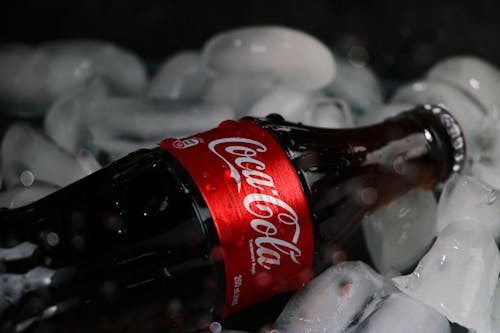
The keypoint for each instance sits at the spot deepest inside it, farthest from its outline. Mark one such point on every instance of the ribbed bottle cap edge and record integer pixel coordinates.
(455, 132)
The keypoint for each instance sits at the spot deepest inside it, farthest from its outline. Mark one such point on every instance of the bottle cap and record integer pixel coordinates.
(455, 132)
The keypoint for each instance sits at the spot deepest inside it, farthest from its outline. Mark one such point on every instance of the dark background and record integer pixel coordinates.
(403, 38)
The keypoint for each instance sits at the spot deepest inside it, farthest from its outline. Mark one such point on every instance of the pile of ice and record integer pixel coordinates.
(74, 105)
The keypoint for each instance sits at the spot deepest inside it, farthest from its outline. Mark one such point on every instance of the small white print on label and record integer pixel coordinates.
(186, 143)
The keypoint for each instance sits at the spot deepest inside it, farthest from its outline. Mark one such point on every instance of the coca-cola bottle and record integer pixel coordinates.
(170, 238)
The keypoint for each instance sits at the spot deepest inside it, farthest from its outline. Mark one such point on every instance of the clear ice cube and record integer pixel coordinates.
(398, 235)
(458, 276)
(399, 313)
(465, 197)
(332, 301)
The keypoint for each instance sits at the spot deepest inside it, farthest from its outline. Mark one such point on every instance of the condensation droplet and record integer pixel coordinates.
(52, 238)
(27, 178)
(210, 188)
(263, 279)
(215, 327)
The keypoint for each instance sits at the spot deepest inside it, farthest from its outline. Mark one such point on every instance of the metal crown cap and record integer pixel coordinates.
(455, 132)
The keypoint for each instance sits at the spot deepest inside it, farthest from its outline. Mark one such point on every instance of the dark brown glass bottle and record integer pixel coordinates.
(134, 247)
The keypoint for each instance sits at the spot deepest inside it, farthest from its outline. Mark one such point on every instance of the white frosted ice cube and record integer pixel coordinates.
(272, 53)
(31, 78)
(67, 121)
(331, 302)
(458, 276)
(120, 125)
(20, 195)
(382, 112)
(495, 312)
(359, 86)
(398, 235)
(26, 149)
(465, 197)
(181, 76)
(475, 76)
(305, 107)
(399, 313)
(121, 68)
(238, 93)
(486, 163)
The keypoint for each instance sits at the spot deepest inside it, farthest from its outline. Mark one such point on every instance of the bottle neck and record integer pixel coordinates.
(347, 173)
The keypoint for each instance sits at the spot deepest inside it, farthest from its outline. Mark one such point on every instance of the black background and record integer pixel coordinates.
(403, 38)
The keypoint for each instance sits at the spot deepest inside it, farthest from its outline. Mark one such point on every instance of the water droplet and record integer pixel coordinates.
(52, 239)
(27, 178)
(474, 83)
(263, 279)
(164, 204)
(215, 327)
(206, 174)
(210, 188)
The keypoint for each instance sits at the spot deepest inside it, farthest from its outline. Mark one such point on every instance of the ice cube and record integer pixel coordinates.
(238, 93)
(20, 195)
(359, 86)
(332, 301)
(399, 313)
(121, 125)
(470, 116)
(465, 197)
(398, 235)
(495, 312)
(382, 112)
(272, 53)
(24, 148)
(67, 121)
(180, 77)
(476, 77)
(119, 67)
(31, 78)
(486, 163)
(304, 107)
(458, 276)
(23, 71)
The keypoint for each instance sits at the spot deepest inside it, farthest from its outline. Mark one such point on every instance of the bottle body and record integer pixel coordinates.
(141, 244)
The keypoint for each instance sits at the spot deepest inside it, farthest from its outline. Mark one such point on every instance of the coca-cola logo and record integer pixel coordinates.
(269, 212)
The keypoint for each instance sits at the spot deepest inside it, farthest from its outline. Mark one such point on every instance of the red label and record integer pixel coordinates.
(258, 206)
